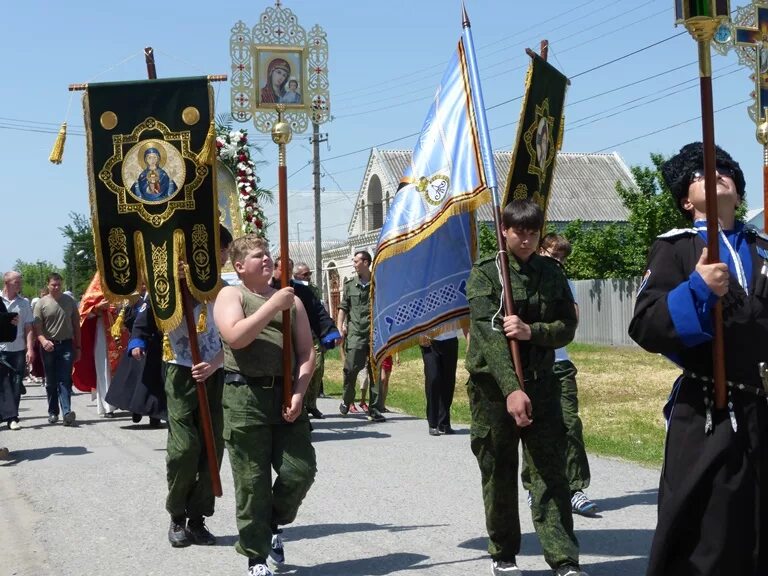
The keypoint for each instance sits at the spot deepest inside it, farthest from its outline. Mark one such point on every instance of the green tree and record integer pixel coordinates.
(487, 240)
(79, 253)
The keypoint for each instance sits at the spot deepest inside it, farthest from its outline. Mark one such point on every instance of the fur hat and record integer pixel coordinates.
(677, 170)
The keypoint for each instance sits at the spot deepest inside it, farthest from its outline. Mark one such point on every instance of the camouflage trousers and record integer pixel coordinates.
(356, 359)
(189, 481)
(313, 389)
(494, 441)
(576, 462)
(258, 440)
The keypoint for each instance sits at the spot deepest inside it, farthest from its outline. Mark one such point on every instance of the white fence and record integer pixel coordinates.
(605, 309)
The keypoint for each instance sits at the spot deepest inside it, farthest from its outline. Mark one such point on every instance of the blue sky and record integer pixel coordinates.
(386, 59)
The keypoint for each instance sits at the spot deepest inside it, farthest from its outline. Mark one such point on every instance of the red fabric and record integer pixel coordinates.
(84, 370)
(386, 364)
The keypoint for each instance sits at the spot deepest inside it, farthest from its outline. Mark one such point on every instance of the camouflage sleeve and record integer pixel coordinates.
(560, 327)
(490, 346)
(344, 303)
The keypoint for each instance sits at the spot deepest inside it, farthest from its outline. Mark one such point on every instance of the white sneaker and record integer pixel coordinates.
(501, 568)
(259, 570)
(277, 552)
(13, 425)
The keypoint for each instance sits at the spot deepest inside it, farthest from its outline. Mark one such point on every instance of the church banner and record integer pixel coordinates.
(152, 192)
(539, 135)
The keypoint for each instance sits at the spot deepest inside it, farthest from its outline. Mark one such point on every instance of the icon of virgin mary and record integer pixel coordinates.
(153, 184)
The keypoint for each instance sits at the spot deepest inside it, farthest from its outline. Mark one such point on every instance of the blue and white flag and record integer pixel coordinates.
(428, 243)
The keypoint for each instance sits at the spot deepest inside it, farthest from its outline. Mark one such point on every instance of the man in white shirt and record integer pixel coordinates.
(16, 354)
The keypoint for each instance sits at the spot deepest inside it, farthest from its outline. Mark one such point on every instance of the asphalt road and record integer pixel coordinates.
(388, 499)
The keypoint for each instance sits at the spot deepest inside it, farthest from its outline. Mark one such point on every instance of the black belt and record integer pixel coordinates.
(746, 388)
(261, 381)
(60, 341)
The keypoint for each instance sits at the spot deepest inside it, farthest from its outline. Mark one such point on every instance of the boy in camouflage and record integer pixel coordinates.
(503, 412)
(261, 434)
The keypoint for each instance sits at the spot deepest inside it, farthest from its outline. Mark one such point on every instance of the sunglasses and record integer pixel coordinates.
(724, 171)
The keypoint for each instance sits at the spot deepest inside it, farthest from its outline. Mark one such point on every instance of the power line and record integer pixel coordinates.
(670, 127)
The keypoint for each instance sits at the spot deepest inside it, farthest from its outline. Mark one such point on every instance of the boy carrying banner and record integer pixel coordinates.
(259, 432)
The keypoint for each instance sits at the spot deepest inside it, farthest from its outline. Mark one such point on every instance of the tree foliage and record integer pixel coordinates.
(79, 253)
(621, 250)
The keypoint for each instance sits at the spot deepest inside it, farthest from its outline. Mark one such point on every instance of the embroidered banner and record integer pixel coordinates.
(428, 242)
(539, 135)
(153, 202)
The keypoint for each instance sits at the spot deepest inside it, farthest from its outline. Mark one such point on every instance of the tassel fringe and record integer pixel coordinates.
(58, 146)
(117, 327)
(207, 154)
(202, 324)
(167, 350)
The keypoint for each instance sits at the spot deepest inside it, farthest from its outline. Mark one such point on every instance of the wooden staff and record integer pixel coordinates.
(188, 307)
(710, 195)
(281, 135)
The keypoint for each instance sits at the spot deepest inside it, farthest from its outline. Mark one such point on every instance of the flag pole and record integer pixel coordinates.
(281, 135)
(486, 154)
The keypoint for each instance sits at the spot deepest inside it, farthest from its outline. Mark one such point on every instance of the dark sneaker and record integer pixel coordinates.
(259, 570)
(135, 418)
(569, 571)
(434, 432)
(582, 505)
(315, 413)
(69, 418)
(375, 416)
(154, 423)
(23, 389)
(447, 430)
(343, 409)
(502, 568)
(53, 418)
(109, 415)
(198, 533)
(177, 534)
(276, 550)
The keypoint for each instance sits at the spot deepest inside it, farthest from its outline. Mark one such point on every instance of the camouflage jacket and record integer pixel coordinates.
(542, 299)
(356, 304)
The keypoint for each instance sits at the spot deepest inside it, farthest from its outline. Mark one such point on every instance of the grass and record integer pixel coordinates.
(621, 392)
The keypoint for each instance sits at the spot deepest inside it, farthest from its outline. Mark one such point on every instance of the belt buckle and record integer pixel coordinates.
(763, 368)
(271, 383)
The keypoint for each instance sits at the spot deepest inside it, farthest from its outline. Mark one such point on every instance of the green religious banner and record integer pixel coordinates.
(539, 135)
(152, 195)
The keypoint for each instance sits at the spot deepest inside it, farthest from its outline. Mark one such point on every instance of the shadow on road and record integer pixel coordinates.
(322, 530)
(371, 566)
(611, 542)
(31, 454)
(642, 498)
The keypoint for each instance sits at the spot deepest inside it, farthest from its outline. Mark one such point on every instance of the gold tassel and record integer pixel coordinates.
(207, 154)
(117, 327)
(167, 350)
(58, 147)
(202, 319)
(561, 134)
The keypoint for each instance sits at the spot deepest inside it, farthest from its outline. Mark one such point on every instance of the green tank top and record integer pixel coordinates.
(263, 356)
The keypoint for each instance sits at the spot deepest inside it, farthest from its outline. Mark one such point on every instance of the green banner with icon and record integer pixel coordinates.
(151, 190)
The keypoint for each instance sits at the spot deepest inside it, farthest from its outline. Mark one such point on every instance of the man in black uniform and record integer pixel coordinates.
(713, 494)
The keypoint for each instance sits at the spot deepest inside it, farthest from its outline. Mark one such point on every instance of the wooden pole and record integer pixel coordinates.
(281, 135)
(188, 306)
(713, 224)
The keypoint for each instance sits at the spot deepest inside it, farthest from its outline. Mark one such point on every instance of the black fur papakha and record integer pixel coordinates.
(677, 170)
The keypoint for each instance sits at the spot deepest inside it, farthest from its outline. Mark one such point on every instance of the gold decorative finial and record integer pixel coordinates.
(281, 131)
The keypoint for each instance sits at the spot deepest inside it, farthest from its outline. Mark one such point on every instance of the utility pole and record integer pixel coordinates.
(316, 139)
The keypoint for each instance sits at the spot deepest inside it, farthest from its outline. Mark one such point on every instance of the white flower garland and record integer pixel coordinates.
(232, 148)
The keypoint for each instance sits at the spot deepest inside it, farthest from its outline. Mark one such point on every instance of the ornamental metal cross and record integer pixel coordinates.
(748, 34)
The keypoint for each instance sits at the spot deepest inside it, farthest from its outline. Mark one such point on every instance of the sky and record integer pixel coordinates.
(634, 90)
